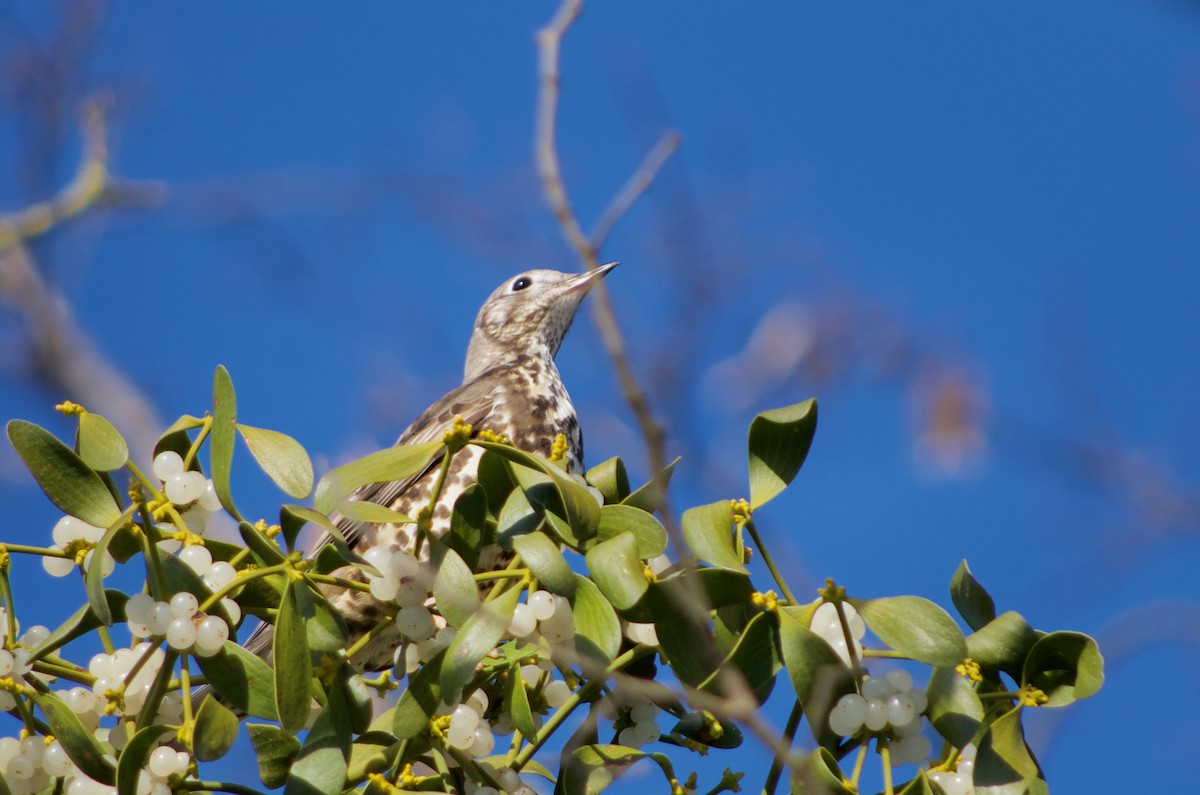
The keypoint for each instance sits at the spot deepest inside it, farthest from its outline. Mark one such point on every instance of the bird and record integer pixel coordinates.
(511, 387)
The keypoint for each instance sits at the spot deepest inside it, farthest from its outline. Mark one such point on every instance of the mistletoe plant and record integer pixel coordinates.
(640, 643)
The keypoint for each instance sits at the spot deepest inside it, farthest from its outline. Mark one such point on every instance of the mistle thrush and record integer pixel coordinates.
(511, 387)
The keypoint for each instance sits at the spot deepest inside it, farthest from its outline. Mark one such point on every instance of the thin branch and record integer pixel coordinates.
(638, 184)
(549, 40)
(65, 358)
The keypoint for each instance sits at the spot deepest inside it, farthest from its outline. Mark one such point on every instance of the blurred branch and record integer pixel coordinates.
(549, 41)
(65, 359)
(638, 184)
(92, 186)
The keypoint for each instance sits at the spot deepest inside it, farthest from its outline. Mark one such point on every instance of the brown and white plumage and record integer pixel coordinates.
(511, 386)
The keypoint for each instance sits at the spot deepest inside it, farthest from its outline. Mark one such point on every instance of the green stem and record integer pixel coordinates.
(770, 562)
(506, 574)
(10, 612)
(434, 496)
(151, 552)
(578, 697)
(885, 754)
(205, 430)
(855, 664)
(341, 582)
(789, 734)
(890, 654)
(64, 672)
(375, 632)
(858, 764)
(48, 552)
(217, 786)
(241, 579)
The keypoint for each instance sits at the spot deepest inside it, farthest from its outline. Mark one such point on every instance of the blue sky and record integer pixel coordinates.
(1004, 190)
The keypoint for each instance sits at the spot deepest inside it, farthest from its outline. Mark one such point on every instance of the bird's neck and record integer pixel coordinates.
(485, 354)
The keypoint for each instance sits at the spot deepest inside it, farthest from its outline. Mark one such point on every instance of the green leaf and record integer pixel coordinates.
(101, 446)
(71, 485)
(618, 571)
(262, 547)
(546, 561)
(77, 741)
(1002, 643)
(468, 525)
(611, 478)
(954, 707)
(320, 766)
(276, 751)
(394, 463)
(778, 444)
(357, 697)
(617, 519)
(282, 458)
(292, 661)
(324, 627)
(136, 754)
(915, 627)
(292, 519)
(592, 768)
(649, 497)
(578, 506)
(243, 680)
(216, 730)
(372, 512)
(516, 703)
(1066, 666)
(971, 599)
(455, 590)
(93, 578)
(220, 442)
(819, 773)
(708, 530)
(81, 622)
(517, 517)
(478, 636)
(704, 727)
(755, 656)
(597, 628)
(687, 644)
(1004, 763)
(420, 701)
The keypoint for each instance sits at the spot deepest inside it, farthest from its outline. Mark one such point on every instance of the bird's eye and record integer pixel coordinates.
(521, 283)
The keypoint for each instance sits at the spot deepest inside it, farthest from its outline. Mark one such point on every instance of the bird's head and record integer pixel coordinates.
(529, 314)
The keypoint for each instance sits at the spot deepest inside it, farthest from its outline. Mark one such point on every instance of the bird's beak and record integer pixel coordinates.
(587, 279)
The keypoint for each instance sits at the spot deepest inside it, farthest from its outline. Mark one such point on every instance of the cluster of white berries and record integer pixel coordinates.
(67, 531)
(509, 780)
(33, 764)
(403, 580)
(16, 663)
(184, 486)
(29, 765)
(112, 671)
(962, 780)
(825, 622)
(887, 704)
(468, 731)
(179, 621)
(641, 715)
(544, 612)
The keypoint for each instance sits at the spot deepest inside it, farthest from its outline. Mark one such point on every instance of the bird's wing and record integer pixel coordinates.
(474, 402)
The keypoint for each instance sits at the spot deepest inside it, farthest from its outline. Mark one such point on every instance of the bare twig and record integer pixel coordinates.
(92, 186)
(638, 184)
(65, 358)
(739, 704)
(549, 41)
